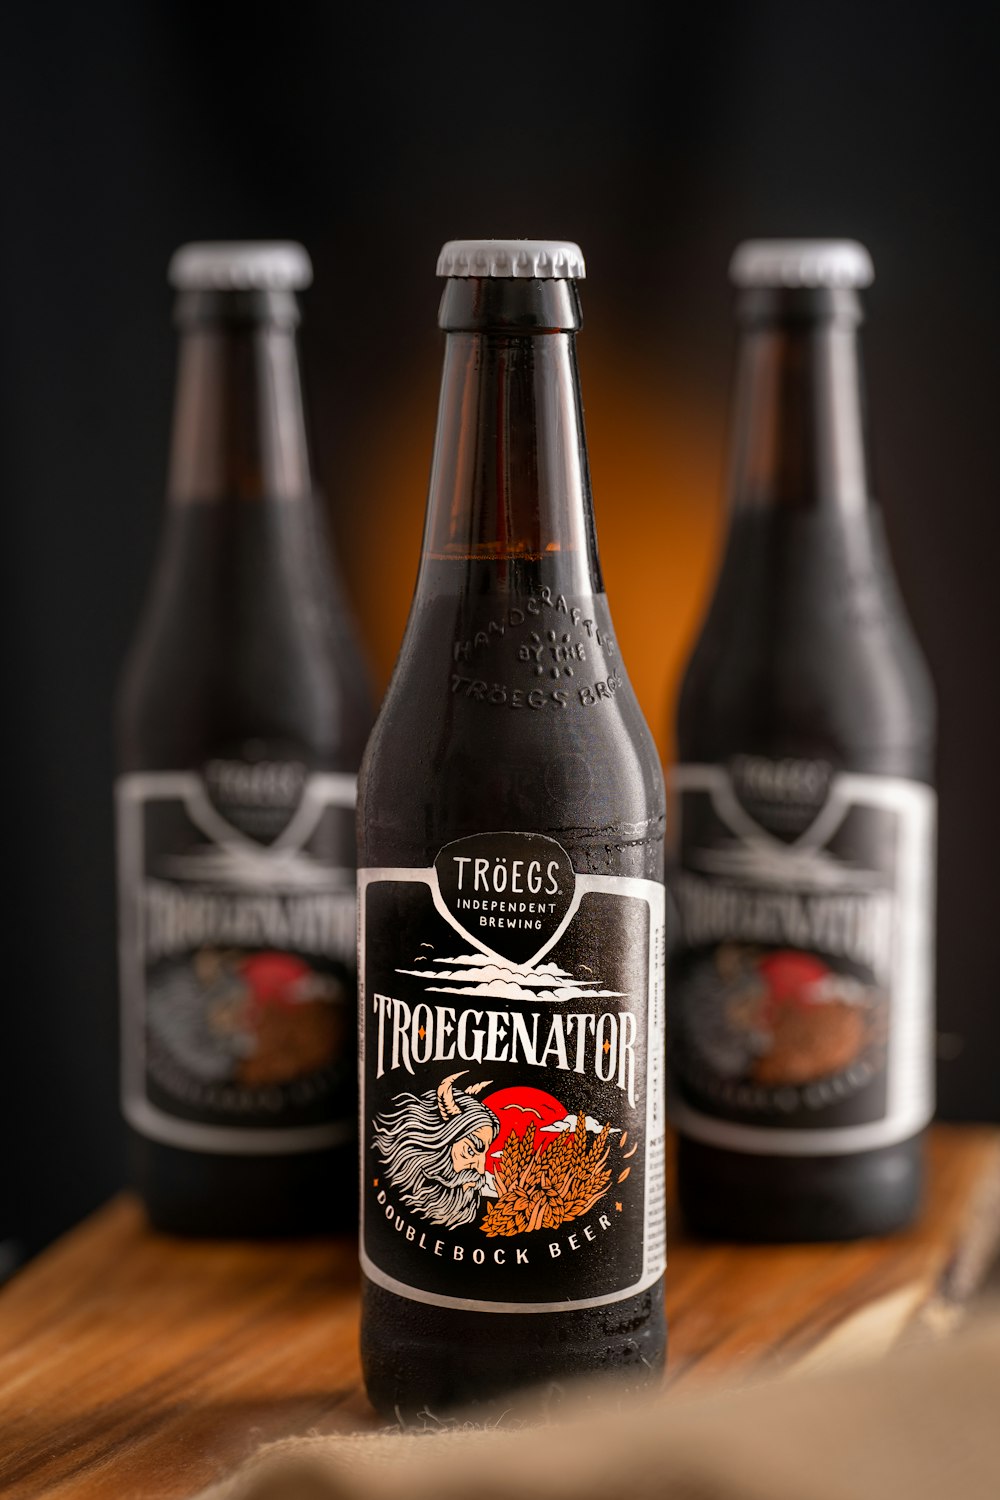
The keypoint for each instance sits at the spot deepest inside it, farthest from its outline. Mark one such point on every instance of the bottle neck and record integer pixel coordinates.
(509, 497)
(799, 432)
(239, 428)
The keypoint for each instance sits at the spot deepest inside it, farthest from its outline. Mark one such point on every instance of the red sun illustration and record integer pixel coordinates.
(272, 976)
(790, 976)
(518, 1107)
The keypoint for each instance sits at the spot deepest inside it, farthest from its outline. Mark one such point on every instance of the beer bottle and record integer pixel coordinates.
(799, 975)
(242, 717)
(511, 815)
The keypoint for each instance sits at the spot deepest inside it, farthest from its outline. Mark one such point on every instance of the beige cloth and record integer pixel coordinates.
(923, 1425)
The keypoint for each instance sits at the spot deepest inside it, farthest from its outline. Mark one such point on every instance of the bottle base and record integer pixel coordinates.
(425, 1362)
(733, 1195)
(200, 1195)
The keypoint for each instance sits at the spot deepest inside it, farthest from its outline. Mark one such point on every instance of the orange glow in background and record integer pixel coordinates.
(656, 456)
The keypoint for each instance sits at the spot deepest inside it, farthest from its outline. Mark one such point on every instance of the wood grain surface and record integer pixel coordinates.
(133, 1365)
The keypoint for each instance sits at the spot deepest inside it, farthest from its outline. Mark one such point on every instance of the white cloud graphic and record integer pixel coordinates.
(569, 1123)
(489, 972)
(484, 961)
(504, 989)
(466, 958)
(499, 988)
(484, 976)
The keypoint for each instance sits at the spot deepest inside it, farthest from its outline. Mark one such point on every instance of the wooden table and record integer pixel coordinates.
(132, 1365)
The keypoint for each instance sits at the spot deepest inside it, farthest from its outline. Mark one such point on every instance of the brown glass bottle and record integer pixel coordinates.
(510, 846)
(800, 971)
(242, 717)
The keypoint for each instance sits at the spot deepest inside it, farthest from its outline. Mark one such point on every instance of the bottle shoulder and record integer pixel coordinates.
(806, 638)
(486, 729)
(243, 636)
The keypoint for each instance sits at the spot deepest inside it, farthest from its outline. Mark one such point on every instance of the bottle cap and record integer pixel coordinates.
(549, 260)
(240, 266)
(804, 263)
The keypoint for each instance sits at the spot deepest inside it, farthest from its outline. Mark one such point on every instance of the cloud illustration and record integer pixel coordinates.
(505, 990)
(484, 976)
(484, 961)
(490, 972)
(463, 958)
(499, 988)
(569, 1123)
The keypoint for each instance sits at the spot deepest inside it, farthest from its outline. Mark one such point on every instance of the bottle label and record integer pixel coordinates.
(800, 964)
(238, 927)
(512, 1079)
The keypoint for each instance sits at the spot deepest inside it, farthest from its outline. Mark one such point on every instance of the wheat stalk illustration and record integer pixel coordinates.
(543, 1189)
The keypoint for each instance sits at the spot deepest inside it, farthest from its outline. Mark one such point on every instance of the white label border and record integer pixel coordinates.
(132, 793)
(652, 893)
(910, 1064)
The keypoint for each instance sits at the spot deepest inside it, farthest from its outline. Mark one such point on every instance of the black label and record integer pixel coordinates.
(799, 963)
(238, 962)
(512, 1119)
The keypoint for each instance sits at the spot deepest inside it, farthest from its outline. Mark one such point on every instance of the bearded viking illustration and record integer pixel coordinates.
(434, 1149)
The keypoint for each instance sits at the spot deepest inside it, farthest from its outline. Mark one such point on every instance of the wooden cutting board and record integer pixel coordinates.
(133, 1365)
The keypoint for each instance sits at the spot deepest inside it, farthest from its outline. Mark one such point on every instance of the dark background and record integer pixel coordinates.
(657, 138)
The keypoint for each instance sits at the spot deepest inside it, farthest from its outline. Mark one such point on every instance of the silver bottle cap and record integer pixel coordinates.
(549, 260)
(805, 263)
(240, 266)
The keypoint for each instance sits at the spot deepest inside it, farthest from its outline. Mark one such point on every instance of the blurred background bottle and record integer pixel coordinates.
(243, 712)
(800, 974)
